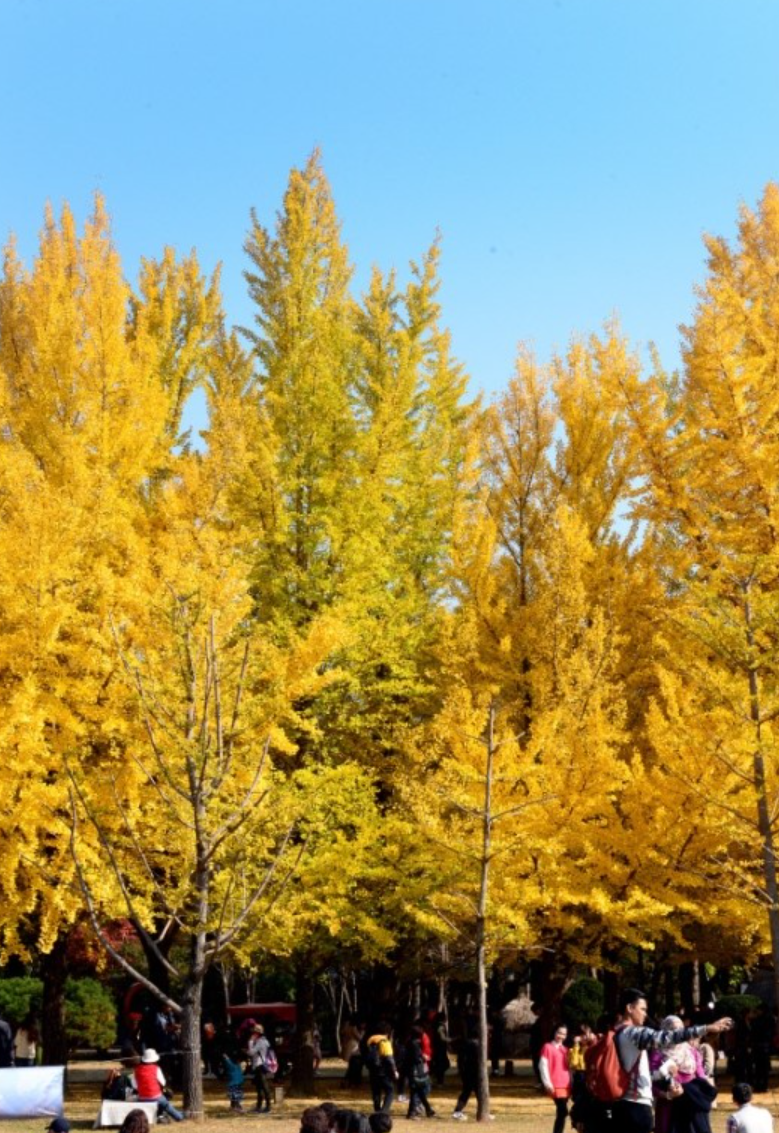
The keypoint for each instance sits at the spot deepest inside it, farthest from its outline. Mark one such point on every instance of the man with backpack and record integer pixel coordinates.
(618, 1063)
(380, 1063)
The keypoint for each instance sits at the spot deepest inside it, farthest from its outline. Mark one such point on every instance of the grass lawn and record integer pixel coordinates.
(516, 1104)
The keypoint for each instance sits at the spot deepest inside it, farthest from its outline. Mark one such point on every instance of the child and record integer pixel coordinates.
(748, 1118)
(233, 1082)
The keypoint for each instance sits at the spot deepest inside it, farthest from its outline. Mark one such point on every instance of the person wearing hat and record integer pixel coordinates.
(149, 1083)
(259, 1048)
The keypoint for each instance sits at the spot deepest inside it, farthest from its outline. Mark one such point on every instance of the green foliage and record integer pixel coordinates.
(275, 983)
(583, 1002)
(20, 996)
(732, 1005)
(90, 1015)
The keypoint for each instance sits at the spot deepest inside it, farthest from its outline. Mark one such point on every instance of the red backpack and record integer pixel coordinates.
(606, 1078)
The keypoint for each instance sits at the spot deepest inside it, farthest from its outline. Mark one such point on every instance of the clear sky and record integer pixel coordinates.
(571, 152)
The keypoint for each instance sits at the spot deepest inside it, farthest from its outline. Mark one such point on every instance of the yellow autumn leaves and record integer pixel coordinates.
(245, 688)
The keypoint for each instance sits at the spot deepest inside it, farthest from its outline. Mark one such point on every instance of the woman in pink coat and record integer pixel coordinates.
(556, 1075)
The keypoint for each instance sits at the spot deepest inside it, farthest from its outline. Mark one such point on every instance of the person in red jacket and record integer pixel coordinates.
(149, 1084)
(556, 1075)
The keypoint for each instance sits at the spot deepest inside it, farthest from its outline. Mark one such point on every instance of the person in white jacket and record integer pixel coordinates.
(259, 1048)
(748, 1118)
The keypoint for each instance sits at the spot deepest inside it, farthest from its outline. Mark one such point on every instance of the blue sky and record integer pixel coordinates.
(571, 152)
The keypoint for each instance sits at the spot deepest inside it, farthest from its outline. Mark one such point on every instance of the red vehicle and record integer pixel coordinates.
(283, 1012)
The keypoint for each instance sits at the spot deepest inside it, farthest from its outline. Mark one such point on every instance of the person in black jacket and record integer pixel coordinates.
(468, 1068)
(415, 1072)
(380, 1062)
(6, 1043)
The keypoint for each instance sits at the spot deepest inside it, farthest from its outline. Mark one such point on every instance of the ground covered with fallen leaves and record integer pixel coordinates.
(516, 1105)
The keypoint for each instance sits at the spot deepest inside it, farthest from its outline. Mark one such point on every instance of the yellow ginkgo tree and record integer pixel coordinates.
(194, 819)
(709, 447)
(84, 405)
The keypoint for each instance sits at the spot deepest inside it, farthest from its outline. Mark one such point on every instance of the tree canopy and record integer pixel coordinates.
(372, 664)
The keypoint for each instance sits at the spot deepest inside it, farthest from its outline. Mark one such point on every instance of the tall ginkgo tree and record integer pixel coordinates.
(710, 446)
(186, 819)
(551, 595)
(353, 429)
(86, 398)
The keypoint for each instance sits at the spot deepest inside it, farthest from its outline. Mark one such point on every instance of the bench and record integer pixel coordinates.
(114, 1113)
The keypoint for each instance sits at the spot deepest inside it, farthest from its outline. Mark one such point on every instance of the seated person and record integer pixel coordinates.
(149, 1083)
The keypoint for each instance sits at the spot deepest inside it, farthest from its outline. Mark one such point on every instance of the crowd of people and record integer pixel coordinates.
(625, 1076)
(629, 1077)
(408, 1067)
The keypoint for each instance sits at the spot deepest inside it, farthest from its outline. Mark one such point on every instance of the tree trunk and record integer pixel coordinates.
(441, 1000)
(54, 973)
(641, 969)
(483, 1110)
(654, 986)
(669, 990)
(765, 823)
(302, 1082)
(550, 976)
(686, 979)
(191, 1011)
(215, 999)
(610, 993)
(191, 1062)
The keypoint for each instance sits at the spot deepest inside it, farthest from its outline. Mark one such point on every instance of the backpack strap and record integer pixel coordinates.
(633, 1072)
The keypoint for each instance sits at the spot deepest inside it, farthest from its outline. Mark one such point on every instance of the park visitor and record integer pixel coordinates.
(6, 1043)
(682, 1089)
(148, 1081)
(136, 1121)
(380, 1061)
(233, 1072)
(26, 1043)
(415, 1070)
(748, 1118)
(468, 1057)
(633, 1111)
(259, 1050)
(351, 1036)
(556, 1075)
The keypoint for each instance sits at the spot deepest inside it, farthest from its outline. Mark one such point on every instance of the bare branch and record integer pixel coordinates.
(172, 917)
(96, 926)
(74, 790)
(522, 806)
(244, 808)
(258, 893)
